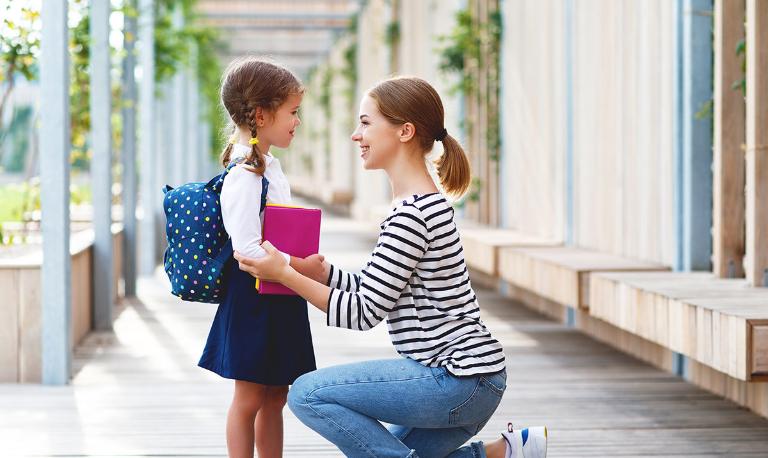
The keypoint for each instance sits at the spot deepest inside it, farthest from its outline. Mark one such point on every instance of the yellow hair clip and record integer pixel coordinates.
(253, 141)
(233, 140)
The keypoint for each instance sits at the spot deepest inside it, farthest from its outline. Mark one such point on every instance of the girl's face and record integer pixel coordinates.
(280, 127)
(377, 137)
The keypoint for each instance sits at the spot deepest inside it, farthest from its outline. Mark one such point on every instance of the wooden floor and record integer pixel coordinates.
(138, 392)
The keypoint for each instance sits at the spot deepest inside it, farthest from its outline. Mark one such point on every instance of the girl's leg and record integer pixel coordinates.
(269, 423)
(345, 404)
(246, 403)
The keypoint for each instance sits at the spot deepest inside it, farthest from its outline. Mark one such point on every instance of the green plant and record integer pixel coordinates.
(17, 136)
(462, 47)
(741, 52)
(392, 34)
(19, 46)
(471, 53)
(350, 72)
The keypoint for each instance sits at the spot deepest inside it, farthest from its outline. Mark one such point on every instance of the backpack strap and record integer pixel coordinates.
(217, 182)
(264, 189)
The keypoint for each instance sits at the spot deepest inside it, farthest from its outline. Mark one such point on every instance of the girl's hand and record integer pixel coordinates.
(314, 267)
(271, 267)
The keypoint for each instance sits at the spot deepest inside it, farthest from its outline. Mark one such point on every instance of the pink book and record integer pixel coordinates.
(292, 230)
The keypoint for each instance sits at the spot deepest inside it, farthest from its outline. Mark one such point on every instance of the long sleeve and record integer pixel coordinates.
(346, 281)
(400, 247)
(240, 205)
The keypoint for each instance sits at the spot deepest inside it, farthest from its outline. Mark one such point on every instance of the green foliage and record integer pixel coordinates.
(171, 43)
(474, 45)
(325, 92)
(19, 42)
(17, 136)
(392, 35)
(741, 52)
(209, 70)
(79, 88)
(173, 51)
(705, 110)
(350, 72)
(19, 45)
(462, 47)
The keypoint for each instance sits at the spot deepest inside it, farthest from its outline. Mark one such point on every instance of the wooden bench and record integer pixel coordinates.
(482, 244)
(21, 309)
(561, 274)
(720, 323)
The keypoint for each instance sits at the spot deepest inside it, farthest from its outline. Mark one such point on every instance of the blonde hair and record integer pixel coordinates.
(408, 99)
(250, 83)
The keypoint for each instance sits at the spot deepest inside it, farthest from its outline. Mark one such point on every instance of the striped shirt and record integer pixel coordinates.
(417, 279)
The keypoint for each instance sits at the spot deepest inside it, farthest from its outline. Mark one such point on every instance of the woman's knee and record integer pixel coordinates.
(300, 391)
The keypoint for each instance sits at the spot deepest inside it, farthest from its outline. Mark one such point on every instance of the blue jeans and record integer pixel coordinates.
(431, 411)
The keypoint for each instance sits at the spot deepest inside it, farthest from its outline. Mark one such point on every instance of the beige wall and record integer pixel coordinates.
(623, 55)
(623, 138)
(533, 118)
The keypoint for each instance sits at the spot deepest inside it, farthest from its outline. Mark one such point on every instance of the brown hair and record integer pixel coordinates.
(250, 83)
(408, 99)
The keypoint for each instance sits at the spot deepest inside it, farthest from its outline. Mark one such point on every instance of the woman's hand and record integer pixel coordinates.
(271, 267)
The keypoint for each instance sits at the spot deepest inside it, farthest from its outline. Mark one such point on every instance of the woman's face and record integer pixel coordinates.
(281, 126)
(377, 137)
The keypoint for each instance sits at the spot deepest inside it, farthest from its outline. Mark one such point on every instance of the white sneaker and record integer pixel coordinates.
(526, 443)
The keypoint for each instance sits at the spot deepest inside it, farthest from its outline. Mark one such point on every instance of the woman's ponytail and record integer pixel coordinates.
(453, 168)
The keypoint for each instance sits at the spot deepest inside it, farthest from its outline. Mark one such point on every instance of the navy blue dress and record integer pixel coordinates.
(258, 338)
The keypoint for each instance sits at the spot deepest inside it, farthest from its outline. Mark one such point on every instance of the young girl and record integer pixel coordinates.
(452, 374)
(262, 342)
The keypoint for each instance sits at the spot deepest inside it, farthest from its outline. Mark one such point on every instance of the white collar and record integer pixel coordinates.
(240, 150)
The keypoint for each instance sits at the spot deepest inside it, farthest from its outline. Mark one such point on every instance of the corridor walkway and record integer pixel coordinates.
(138, 392)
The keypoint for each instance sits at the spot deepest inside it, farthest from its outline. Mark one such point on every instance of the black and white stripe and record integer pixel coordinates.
(417, 279)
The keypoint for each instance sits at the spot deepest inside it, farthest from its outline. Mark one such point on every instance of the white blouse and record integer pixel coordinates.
(241, 202)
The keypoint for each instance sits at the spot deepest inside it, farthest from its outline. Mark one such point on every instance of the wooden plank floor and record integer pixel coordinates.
(138, 392)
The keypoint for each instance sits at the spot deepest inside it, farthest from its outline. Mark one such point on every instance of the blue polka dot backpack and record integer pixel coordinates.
(198, 246)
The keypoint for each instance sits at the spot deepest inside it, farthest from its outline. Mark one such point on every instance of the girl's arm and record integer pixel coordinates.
(240, 201)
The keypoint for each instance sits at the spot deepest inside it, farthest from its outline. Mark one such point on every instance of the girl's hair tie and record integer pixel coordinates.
(441, 136)
(253, 141)
(233, 140)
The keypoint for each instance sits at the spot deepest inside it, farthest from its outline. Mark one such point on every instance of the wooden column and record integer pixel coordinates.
(728, 138)
(54, 184)
(757, 143)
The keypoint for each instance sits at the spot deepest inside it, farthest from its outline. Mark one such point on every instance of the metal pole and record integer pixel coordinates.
(129, 156)
(101, 165)
(146, 138)
(54, 177)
